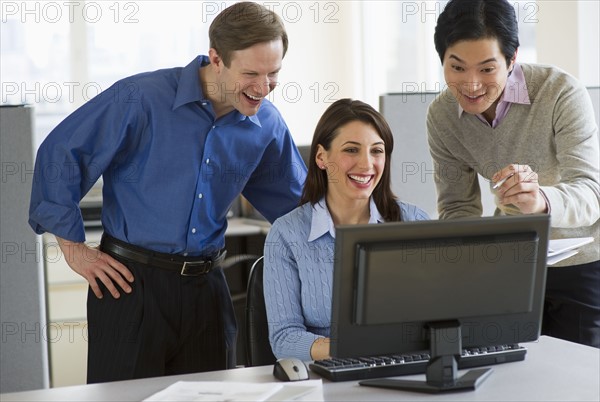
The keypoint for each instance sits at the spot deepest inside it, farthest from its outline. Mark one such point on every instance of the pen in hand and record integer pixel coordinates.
(501, 182)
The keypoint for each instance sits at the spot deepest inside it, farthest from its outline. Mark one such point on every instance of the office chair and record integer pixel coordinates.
(258, 348)
(236, 269)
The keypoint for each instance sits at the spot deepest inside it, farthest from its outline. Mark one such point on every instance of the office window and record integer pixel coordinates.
(147, 35)
(35, 62)
(57, 55)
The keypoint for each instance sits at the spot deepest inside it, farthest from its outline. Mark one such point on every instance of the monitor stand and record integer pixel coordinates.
(446, 347)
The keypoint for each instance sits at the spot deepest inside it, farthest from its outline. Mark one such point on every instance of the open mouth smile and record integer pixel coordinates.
(253, 98)
(473, 98)
(361, 179)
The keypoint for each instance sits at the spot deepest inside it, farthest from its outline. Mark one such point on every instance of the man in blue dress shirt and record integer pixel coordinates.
(175, 148)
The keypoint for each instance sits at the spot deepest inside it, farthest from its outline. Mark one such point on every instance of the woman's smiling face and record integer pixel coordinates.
(355, 161)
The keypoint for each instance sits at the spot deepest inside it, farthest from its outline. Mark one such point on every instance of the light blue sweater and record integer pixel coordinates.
(298, 275)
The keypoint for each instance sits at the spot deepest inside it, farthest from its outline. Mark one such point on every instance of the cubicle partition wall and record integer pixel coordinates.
(23, 353)
(412, 167)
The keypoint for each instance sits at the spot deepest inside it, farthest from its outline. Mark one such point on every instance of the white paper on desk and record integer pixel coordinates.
(551, 260)
(559, 246)
(215, 391)
(311, 390)
(238, 391)
(560, 249)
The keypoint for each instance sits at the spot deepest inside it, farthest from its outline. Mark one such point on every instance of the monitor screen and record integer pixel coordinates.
(394, 281)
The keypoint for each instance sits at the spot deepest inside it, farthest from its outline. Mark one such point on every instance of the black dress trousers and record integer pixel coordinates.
(169, 324)
(572, 304)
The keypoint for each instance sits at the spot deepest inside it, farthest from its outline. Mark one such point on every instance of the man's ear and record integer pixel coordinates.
(215, 59)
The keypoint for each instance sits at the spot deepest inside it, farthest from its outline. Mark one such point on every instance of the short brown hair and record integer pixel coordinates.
(243, 25)
(340, 113)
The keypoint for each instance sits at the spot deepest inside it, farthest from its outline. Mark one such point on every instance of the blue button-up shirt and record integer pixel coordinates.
(171, 170)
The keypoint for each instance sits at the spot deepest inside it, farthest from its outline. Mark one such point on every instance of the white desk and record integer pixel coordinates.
(553, 370)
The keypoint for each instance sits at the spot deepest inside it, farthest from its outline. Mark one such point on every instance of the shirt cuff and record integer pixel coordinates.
(549, 208)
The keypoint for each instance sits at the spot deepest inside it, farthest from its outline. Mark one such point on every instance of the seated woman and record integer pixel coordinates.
(348, 182)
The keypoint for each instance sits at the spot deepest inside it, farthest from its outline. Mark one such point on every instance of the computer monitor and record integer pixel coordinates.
(440, 286)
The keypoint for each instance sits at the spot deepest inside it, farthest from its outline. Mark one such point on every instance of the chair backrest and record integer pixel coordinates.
(258, 348)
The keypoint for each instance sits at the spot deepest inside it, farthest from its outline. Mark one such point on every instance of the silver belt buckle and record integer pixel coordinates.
(191, 264)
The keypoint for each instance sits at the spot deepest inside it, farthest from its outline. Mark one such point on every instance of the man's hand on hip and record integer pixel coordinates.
(93, 264)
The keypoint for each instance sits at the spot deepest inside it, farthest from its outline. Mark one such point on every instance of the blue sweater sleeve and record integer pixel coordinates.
(288, 333)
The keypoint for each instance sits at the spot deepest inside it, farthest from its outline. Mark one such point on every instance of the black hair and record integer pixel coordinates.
(477, 19)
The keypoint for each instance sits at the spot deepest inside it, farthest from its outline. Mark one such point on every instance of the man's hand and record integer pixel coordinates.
(93, 264)
(520, 189)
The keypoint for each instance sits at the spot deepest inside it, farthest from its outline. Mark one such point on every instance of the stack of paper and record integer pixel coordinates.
(560, 249)
(183, 391)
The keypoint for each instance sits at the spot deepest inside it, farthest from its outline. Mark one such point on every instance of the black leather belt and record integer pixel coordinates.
(185, 266)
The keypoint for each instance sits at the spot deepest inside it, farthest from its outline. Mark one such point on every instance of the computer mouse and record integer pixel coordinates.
(290, 369)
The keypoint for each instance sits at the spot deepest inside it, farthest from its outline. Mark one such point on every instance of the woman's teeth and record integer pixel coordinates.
(361, 179)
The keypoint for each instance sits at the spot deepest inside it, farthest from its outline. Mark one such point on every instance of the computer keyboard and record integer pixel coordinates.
(360, 368)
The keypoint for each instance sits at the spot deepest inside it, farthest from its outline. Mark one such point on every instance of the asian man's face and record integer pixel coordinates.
(476, 74)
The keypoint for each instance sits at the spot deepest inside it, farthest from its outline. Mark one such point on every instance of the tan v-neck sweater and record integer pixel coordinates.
(556, 135)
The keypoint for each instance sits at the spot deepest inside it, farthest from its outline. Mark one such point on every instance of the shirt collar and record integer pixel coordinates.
(189, 89)
(516, 87)
(321, 221)
(515, 90)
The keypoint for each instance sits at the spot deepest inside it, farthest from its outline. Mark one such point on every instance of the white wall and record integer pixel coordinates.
(568, 36)
(589, 42)
(323, 63)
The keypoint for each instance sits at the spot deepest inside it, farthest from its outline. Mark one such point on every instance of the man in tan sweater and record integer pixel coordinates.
(531, 125)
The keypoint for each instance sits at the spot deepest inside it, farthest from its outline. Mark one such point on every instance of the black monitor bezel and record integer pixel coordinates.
(350, 340)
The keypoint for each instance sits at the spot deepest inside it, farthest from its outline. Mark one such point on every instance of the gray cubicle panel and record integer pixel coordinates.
(412, 167)
(23, 354)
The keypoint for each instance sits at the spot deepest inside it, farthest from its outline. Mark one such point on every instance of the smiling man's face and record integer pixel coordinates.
(250, 77)
(476, 73)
